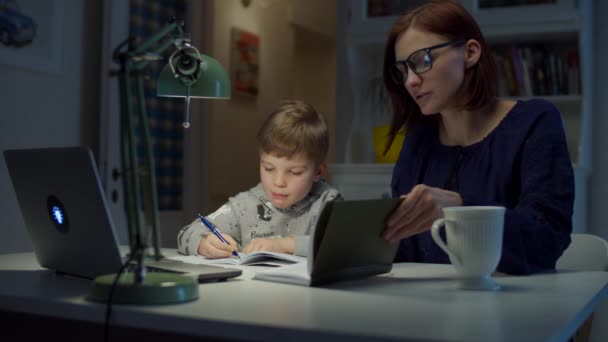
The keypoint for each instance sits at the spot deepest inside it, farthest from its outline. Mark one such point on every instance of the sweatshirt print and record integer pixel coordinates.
(250, 215)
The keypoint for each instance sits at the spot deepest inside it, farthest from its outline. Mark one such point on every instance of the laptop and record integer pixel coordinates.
(346, 245)
(67, 218)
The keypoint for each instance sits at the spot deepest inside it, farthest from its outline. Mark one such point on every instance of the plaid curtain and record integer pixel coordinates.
(165, 114)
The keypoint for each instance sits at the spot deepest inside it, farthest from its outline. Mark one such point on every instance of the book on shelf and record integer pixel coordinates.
(526, 60)
(573, 79)
(257, 258)
(536, 70)
(346, 244)
(518, 71)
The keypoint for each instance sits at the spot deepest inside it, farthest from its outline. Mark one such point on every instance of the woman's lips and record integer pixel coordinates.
(422, 97)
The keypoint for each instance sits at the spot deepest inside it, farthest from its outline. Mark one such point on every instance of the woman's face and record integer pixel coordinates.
(433, 90)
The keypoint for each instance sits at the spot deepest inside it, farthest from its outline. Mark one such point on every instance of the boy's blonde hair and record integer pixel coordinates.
(295, 127)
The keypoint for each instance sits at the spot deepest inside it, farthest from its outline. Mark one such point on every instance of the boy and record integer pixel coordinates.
(279, 213)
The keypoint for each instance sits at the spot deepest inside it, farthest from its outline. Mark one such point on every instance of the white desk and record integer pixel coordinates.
(414, 302)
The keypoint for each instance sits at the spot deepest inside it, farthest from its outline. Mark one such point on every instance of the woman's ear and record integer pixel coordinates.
(320, 170)
(472, 53)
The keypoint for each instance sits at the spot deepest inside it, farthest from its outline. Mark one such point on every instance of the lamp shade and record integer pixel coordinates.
(212, 82)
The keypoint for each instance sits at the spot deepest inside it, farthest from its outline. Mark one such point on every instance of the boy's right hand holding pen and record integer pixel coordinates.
(213, 247)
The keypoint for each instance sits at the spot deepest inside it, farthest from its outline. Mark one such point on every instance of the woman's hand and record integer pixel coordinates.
(418, 210)
(213, 248)
(281, 245)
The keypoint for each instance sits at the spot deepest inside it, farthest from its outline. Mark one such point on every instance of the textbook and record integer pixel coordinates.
(260, 258)
(347, 244)
(296, 274)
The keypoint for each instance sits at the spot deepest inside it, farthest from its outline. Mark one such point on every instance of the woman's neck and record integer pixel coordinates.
(463, 128)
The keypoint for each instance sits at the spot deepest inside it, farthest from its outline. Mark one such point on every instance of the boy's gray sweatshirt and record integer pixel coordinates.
(250, 215)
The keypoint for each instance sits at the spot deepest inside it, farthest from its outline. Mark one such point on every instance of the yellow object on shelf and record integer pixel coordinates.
(380, 138)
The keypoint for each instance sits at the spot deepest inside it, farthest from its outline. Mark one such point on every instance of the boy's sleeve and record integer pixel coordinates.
(301, 242)
(189, 237)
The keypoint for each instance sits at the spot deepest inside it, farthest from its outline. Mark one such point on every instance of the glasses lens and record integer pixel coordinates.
(398, 72)
(420, 61)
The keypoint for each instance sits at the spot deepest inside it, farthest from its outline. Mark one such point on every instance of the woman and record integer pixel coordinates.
(465, 147)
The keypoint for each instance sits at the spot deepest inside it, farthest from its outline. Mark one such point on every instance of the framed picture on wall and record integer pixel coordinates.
(244, 68)
(31, 34)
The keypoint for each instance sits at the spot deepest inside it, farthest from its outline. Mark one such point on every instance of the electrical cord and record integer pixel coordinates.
(106, 329)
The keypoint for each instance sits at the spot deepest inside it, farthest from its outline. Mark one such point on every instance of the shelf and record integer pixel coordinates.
(525, 23)
(555, 99)
(552, 22)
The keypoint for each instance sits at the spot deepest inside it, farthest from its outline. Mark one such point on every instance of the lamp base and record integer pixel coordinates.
(157, 288)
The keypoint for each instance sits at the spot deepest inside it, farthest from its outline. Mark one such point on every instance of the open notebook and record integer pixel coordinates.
(347, 244)
(264, 258)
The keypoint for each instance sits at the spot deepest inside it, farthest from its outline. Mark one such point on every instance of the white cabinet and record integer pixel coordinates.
(558, 25)
(362, 181)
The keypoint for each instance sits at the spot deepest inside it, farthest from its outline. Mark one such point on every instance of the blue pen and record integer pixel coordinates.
(214, 231)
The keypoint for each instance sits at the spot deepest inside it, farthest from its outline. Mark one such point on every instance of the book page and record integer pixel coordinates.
(269, 258)
(199, 259)
(292, 274)
(262, 258)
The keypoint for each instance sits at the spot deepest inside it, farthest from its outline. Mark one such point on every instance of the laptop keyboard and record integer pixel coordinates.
(162, 270)
(149, 268)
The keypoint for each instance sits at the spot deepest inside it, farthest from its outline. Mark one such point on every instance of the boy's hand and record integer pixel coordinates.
(213, 248)
(281, 245)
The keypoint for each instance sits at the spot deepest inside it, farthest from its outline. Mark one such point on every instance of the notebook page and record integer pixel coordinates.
(254, 258)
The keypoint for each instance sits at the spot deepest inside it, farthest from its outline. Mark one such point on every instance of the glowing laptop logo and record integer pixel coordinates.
(57, 214)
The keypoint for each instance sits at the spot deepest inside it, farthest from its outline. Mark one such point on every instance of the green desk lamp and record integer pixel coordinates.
(188, 74)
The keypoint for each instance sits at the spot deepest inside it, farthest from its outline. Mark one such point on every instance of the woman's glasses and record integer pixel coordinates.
(419, 61)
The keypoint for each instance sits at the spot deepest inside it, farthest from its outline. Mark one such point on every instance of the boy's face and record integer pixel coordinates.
(287, 181)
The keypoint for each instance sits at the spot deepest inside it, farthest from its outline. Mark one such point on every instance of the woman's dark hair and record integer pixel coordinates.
(446, 18)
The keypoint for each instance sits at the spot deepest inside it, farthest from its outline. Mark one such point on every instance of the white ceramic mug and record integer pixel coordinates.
(474, 242)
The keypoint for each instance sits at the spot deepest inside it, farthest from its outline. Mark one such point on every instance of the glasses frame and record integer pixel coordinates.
(399, 76)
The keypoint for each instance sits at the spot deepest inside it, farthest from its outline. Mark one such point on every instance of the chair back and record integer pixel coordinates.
(587, 252)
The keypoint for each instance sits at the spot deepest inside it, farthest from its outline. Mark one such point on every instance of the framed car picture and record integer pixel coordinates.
(31, 34)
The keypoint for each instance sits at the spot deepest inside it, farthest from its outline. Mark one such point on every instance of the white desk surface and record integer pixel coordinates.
(413, 302)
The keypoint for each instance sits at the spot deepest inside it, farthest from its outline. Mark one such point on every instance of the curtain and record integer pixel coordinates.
(165, 114)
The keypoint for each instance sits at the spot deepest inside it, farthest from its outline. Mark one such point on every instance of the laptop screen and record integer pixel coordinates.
(64, 210)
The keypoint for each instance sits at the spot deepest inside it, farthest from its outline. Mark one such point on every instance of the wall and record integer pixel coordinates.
(45, 108)
(315, 15)
(314, 59)
(598, 197)
(344, 92)
(315, 72)
(233, 158)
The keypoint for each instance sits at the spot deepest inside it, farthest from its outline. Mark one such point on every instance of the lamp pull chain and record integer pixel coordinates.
(186, 122)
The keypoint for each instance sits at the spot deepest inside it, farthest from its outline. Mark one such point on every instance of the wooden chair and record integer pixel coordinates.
(588, 252)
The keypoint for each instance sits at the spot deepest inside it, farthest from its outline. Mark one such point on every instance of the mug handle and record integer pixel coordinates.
(439, 241)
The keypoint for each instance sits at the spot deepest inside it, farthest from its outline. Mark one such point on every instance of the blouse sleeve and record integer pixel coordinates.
(537, 229)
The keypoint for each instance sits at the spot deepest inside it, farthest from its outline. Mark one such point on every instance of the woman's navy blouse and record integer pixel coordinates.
(523, 165)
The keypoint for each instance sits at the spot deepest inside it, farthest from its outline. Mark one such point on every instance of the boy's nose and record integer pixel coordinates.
(279, 180)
